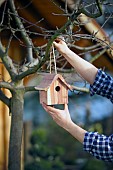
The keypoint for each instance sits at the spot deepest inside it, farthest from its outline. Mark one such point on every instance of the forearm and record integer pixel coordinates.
(76, 131)
(84, 68)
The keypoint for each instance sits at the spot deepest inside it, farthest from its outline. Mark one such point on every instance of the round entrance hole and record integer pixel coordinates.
(57, 88)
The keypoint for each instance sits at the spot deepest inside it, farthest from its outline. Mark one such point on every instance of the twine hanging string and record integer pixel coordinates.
(50, 60)
(53, 53)
(54, 58)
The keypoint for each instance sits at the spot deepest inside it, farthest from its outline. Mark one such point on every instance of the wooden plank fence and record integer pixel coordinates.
(4, 125)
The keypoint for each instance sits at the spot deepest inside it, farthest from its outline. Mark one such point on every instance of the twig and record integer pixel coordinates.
(98, 14)
(4, 99)
(9, 42)
(98, 55)
(81, 89)
(3, 14)
(84, 48)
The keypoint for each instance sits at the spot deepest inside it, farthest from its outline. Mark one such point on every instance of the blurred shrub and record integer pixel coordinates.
(94, 164)
(44, 157)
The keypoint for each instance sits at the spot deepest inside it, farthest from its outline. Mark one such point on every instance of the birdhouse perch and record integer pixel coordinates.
(53, 89)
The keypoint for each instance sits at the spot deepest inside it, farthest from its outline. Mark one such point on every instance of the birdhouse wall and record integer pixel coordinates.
(57, 93)
(43, 96)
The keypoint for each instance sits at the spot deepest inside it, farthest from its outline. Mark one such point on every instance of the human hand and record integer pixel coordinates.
(61, 117)
(60, 45)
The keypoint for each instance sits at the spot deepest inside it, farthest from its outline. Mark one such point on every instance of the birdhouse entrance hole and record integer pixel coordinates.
(57, 88)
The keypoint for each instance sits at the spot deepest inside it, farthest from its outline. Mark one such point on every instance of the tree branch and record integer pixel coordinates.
(7, 62)
(81, 89)
(73, 17)
(23, 31)
(98, 55)
(6, 85)
(44, 59)
(98, 14)
(84, 48)
(77, 4)
(60, 31)
(4, 99)
(30, 88)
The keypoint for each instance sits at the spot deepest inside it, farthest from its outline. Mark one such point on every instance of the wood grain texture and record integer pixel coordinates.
(55, 93)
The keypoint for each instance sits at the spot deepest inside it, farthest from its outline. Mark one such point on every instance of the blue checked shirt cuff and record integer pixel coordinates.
(100, 146)
(103, 85)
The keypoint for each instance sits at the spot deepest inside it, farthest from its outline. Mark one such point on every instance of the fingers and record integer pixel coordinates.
(49, 108)
(55, 43)
(58, 40)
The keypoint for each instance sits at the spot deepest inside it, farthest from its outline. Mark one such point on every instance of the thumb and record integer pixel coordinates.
(66, 107)
(55, 43)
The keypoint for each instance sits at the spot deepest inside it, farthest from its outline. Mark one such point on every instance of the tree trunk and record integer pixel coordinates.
(16, 130)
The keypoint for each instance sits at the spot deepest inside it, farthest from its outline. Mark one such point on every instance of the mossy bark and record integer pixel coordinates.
(16, 131)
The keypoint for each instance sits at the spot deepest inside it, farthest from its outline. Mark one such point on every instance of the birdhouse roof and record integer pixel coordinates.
(48, 79)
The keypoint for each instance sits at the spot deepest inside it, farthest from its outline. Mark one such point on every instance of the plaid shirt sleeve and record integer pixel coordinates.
(103, 85)
(99, 146)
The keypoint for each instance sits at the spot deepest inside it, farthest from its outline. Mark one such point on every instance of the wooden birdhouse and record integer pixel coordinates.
(53, 89)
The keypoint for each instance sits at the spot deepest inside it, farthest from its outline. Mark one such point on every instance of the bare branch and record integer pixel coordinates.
(85, 48)
(6, 85)
(3, 10)
(23, 31)
(77, 7)
(92, 37)
(31, 23)
(57, 33)
(4, 99)
(44, 59)
(81, 89)
(27, 66)
(93, 15)
(66, 10)
(30, 88)
(73, 17)
(7, 62)
(7, 48)
(98, 55)
(77, 4)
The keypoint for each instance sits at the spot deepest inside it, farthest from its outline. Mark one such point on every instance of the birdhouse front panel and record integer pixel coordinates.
(53, 90)
(57, 93)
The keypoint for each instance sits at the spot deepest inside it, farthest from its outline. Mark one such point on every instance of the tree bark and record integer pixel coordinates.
(17, 102)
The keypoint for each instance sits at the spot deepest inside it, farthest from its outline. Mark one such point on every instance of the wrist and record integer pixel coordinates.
(69, 55)
(65, 51)
(76, 131)
(69, 126)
